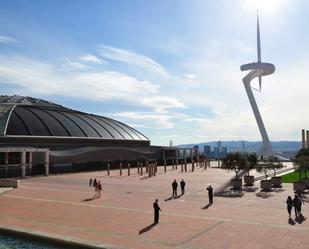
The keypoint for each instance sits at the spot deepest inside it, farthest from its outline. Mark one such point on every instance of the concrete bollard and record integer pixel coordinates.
(120, 168)
(128, 169)
(137, 167)
(108, 169)
(164, 166)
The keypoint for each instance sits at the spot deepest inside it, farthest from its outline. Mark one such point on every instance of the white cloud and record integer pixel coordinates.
(162, 103)
(38, 78)
(145, 120)
(7, 39)
(190, 77)
(132, 58)
(92, 59)
(72, 65)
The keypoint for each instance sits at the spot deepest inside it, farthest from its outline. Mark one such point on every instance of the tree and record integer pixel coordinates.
(274, 164)
(302, 165)
(234, 161)
(252, 162)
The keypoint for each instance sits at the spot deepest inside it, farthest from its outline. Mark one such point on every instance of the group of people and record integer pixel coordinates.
(157, 208)
(296, 202)
(97, 187)
(175, 186)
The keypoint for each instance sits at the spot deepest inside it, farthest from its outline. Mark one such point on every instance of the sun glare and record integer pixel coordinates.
(263, 5)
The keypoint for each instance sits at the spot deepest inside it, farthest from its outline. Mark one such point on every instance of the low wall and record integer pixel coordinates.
(9, 183)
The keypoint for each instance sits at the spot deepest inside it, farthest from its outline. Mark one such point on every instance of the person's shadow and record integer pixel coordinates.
(90, 199)
(291, 222)
(169, 199)
(147, 228)
(300, 219)
(207, 206)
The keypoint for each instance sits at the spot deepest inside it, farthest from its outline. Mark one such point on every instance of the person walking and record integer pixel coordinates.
(289, 205)
(300, 202)
(182, 186)
(210, 194)
(99, 189)
(174, 186)
(90, 182)
(156, 209)
(94, 182)
(296, 205)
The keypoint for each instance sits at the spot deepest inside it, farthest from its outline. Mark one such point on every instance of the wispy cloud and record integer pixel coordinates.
(70, 65)
(36, 77)
(132, 58)
(7, 39)
(145, 120)
(92, 59)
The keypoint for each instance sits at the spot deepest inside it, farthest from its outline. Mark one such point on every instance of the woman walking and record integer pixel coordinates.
(289, 205)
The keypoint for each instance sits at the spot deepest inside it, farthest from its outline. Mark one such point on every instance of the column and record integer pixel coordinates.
(185, 159)
(164, 166)
(192, 159)
(46, 163)
(30, 162)
(23, 164)
(6, 162)
(129, 169)
(149, 170)
(108, 169)
(120, 168)
(137, 167)
(303, 138)
(307, 137)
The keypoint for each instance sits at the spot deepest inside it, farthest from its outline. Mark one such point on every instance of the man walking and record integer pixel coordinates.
(174, 186)
(156, 209)
(210, 194)
(182, 186)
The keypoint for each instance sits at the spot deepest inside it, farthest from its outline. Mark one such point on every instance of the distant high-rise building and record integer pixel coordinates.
(207, 150)
(223, 152)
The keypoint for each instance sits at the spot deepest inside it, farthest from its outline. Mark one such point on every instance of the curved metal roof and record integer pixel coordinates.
(26, 116)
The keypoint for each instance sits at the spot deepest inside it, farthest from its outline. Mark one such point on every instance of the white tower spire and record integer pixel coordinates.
(258, 69)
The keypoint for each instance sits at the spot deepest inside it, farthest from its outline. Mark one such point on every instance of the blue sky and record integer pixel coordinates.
(168, 68)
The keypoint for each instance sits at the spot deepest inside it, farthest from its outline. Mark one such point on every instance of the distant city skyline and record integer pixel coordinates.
(168, 68)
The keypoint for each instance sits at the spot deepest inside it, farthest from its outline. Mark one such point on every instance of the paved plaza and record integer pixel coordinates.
(61, 206)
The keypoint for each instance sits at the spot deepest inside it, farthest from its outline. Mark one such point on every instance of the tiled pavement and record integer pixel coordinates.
(60, 206)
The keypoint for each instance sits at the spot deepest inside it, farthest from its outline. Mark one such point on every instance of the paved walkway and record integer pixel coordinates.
(62, 206)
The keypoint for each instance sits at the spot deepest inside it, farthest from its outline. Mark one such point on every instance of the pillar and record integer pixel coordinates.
(30, 162)
(307, 137)
(23, 164)
(147, 167)
(303, 138)
(120, 168)
(137, 167)
(164, 166)
(6, 162)
(46, 162)
(149, 170)
(108, 169)
(142, 165)
(129, 169)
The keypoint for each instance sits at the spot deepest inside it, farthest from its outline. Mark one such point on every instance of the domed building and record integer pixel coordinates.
(45, 137)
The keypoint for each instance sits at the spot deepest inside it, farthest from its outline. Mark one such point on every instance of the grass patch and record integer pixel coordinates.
(293, 177)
